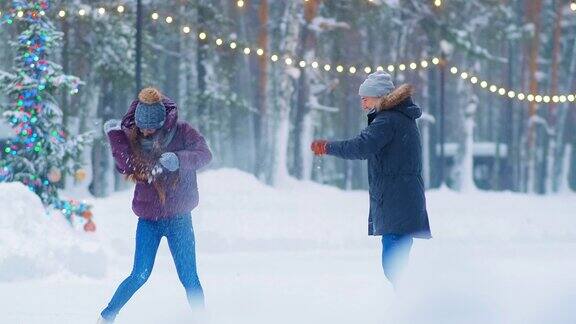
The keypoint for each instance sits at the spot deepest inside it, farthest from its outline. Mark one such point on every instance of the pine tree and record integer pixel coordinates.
(40, 153)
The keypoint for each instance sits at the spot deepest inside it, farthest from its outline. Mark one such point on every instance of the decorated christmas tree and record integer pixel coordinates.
(41, 152)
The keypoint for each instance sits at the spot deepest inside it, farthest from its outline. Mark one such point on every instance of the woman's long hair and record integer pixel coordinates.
(145, 161)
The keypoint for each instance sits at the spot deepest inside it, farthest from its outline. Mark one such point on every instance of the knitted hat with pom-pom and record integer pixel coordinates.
(150, 112)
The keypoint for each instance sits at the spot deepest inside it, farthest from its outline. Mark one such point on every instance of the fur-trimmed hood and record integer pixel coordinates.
(401, 100)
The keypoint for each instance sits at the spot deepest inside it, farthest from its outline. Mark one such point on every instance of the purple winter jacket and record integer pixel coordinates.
(192, 151)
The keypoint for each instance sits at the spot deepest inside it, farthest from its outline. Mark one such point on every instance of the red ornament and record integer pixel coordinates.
(87, 214)
(90, 226)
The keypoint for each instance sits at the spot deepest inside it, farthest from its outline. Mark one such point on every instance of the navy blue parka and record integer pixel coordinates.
(391, 144)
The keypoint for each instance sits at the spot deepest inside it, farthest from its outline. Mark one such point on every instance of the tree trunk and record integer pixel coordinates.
(564, 179)
(534, 10)
(203, 110)
(261, 119)
(551, 163)
(467, 165)
(561, 119)
(103, 177)
(183, 70)
(289, 33)
(303, 126)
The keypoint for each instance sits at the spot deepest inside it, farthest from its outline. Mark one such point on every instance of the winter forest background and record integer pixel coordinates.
(261, 79)
(259, 113)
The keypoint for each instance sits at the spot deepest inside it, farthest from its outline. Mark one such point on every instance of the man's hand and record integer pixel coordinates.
(319, 147)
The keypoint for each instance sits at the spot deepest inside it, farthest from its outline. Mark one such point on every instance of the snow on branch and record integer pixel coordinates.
(321, 24)
(6, 77)
(162, 49)
(463, 39)
(321, 107)
(538, 120)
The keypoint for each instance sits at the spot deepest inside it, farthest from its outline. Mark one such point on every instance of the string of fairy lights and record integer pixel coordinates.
(436, 3)
(289, 60)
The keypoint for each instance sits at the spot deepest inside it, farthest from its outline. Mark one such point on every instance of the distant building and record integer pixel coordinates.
(484, 163)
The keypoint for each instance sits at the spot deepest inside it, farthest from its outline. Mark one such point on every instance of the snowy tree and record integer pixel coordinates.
(41, 150)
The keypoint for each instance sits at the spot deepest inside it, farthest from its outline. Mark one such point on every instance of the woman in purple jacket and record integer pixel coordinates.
(162, 155)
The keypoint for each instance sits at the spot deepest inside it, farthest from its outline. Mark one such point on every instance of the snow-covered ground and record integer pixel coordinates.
(299, 254)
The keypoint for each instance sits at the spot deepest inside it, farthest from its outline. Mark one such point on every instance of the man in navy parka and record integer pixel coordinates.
(391, 144)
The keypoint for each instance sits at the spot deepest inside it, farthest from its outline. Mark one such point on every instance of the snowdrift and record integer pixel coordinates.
(297, 254)
(34, 243)
(239, 213)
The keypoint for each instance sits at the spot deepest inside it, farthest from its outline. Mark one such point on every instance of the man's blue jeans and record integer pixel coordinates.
(180, 235)
(395, 253)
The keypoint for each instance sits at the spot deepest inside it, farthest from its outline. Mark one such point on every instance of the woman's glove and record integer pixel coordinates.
(169, 161)
(112, 124)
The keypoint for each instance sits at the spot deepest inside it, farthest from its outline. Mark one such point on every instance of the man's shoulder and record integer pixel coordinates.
(386, 116)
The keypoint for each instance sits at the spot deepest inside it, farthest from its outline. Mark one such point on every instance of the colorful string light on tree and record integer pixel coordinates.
(40, 152)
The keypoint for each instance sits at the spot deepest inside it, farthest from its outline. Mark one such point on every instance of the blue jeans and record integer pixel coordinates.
(180, 235)
(395, 253)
